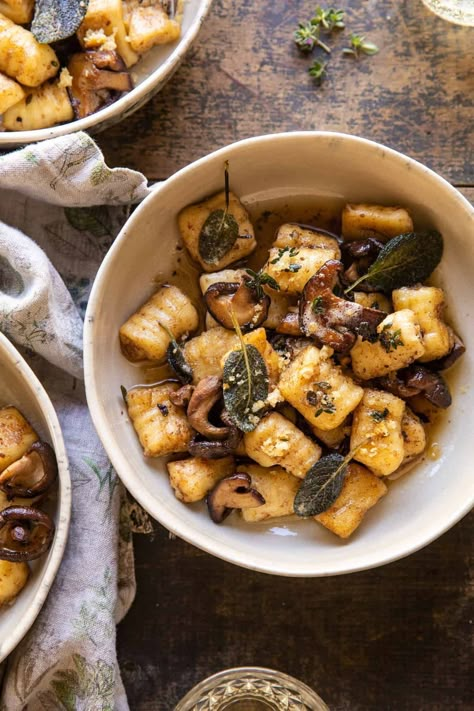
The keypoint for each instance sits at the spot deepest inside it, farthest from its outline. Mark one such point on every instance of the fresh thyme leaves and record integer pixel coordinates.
(317, 71)
(379, 415)
(390, 340)
(307, 38)
(245, 388)
(359, 45)
(329, 19)
(220, 230)
(123, 390)
(291, 251)
(258, 280)
(318, 305)
(177, 359)
(321, 399)
(405, 260)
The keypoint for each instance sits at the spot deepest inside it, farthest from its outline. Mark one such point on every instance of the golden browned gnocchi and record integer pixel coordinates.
(308, 371)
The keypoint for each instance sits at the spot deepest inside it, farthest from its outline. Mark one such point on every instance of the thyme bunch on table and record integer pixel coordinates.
(328, 21)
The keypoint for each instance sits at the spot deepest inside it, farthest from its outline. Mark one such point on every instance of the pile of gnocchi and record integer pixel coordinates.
(60, 61)
(28, 471)
(302, 388)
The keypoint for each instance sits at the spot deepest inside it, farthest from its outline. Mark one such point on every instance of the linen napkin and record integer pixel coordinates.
(71, 205)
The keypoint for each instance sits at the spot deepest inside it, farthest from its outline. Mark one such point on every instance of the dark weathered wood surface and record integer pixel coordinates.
(243, 77)
(397, 638)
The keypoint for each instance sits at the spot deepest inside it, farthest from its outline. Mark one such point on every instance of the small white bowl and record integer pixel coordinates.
(421, 505)
(19, 386)
(150, 74)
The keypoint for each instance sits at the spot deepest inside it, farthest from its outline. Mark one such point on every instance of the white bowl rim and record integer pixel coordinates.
(64, 498)
(198, 539)
(122, 105)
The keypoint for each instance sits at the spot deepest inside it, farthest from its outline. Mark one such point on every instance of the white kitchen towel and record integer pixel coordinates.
(60, 208)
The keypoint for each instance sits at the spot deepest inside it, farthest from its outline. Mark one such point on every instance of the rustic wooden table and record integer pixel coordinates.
(399, 637)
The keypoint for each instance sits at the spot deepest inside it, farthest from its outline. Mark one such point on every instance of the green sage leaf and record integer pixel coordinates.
(404, 261)
(245, 387)
(176, 358)
(321, 486)
(56, 20)
(218, 235)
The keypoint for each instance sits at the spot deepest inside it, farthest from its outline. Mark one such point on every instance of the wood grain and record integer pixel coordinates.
(244, 77)
(392, 639)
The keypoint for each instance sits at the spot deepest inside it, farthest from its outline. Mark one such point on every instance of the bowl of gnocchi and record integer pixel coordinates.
(68, 66)
(277, 354)
(35, 497)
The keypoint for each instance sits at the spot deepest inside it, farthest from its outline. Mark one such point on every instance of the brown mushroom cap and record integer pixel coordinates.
(430, 384)
(358, 255)
(92, 84)
(25, 533)
(217, 449)
(207, 392)
(331, 320)
(223, 298)
(233, 492)
(32, 474)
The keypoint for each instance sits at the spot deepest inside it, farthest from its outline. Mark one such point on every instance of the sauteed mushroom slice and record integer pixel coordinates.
(92, 84)
(233, 492)
(205, 395)
(331, 320)
(32, 474)
(418, 380)
(430, 384)
(217, 449)
(249, 307)
(25, 533)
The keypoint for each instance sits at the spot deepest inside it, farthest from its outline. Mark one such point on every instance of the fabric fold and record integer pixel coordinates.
(71, 205)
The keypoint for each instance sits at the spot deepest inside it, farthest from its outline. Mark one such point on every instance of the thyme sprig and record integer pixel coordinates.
(359, 45)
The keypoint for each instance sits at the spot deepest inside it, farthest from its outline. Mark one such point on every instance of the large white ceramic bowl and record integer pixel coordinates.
(150, 74)
(421, 505)
(19, 386)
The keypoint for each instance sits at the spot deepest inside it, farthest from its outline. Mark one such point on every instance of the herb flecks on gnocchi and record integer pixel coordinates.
(299, 394)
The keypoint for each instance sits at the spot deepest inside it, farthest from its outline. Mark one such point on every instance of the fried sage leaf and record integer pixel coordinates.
(56, 20)
(245, 387)
(404, 261)
(177, 360)
(321, 486)
(218, 235)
